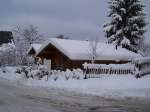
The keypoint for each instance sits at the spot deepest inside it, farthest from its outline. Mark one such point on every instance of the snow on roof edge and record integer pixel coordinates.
(43, 46)
(36, 47)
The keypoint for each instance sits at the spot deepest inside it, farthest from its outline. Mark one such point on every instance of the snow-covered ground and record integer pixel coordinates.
(107, 85)
(10, 74)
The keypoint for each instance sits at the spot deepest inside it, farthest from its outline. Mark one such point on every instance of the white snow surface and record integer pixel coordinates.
(106, 86)
(80, 50)
(10, 74)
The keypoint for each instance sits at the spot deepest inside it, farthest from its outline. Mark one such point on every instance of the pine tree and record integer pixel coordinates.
(127, 24)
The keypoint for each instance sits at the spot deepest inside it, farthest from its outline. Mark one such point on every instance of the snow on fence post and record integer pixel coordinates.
(85, 70)
(110, 70)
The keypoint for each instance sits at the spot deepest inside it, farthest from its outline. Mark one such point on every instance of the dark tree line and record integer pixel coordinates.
(5, 37)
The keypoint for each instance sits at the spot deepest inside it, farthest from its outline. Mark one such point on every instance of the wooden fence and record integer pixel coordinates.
(96, 70)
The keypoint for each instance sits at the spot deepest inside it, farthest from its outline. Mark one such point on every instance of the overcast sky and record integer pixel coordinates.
(78, 19)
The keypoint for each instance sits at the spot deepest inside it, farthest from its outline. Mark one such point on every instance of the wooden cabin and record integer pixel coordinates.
(68, 54)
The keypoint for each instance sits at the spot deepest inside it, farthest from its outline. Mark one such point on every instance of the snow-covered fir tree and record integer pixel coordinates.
(127, 24)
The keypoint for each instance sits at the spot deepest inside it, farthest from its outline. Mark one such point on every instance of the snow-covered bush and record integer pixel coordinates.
(18, 71)
(68, 74)
(25, 71)
(38, 73)
(55, 75)
(77, 74)
(35, 74)
(41, 72)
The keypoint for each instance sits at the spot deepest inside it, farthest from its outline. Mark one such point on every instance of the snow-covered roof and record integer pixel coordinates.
(36, 47)
(81, 50)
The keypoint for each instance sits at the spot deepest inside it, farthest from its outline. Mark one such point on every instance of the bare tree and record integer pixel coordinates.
(93, 49)
(29, 34)
(23, 38)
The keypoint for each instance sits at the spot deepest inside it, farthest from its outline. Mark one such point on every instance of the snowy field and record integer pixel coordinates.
(106, 86)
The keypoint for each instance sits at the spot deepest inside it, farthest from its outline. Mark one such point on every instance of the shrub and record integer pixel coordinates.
(18, 71)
